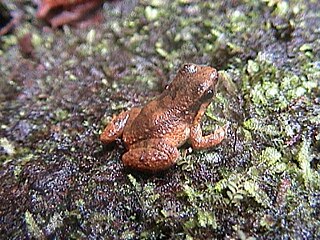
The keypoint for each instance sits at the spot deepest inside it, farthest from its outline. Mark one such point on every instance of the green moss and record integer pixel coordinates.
(55, 222)
(36, 40)
(306, 48)
(200, 217)
(256, 125)
(253, 189)
(237, 21)
(151, 13)
(186, 163)
(270, 155)
(61, 114)
(282, 8)
(206, 219)
(9, 40)
(134, 183)
(252, 67)
(267, 222)
(33, 229)
(271, 89)
(304, 157)
(239, 187)
(7, 146)
(91, 36)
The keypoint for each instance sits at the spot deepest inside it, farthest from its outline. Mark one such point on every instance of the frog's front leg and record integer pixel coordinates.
(115, 128)
(152, 155)
(198, 141)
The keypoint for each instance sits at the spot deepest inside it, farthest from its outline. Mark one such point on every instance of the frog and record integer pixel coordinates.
(61, 12)
(153, 133)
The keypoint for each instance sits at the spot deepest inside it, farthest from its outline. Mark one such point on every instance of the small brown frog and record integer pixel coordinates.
(153, 133)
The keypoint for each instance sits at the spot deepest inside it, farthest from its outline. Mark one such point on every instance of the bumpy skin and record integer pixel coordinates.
(72, 10)
(153, 133)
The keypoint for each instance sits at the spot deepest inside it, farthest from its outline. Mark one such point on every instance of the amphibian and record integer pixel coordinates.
(153, 133)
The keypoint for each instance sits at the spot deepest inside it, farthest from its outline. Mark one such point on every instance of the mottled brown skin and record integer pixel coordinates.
(153, 133)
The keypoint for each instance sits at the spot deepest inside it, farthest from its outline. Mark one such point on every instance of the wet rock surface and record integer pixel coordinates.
(58, 181)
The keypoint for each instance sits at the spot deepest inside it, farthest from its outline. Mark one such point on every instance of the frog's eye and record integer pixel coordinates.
(210, 93)
(190, 68)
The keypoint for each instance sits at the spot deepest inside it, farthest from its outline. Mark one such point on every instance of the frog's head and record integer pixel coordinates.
(199, 81)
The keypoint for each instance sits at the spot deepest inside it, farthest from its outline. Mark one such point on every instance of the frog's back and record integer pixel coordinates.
(160, 118)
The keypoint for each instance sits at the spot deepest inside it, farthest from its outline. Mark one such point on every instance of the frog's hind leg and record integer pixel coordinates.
(115, 128)
(151, 158)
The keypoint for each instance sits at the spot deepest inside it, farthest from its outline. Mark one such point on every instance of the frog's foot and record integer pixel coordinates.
(152, 155)
(201, 142)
